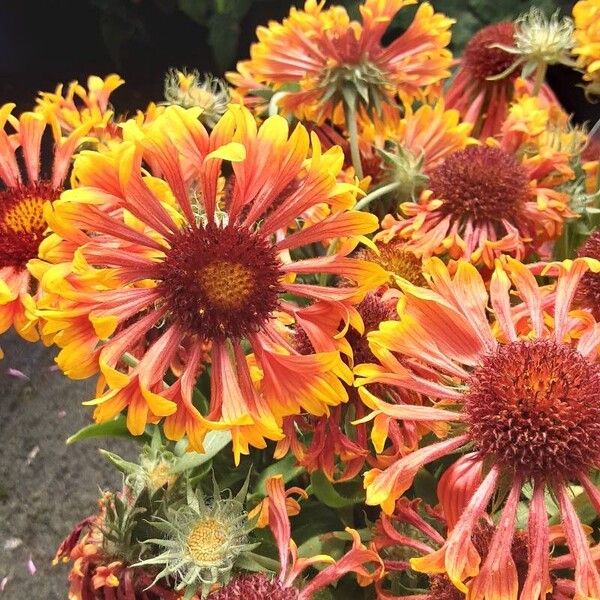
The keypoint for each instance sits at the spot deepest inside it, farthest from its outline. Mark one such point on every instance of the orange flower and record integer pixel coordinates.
(586, 14)
(412, 146)
(481, 98)
(25, 189)
(529, 405)
(330, 58)
(486, 200)
(79, 106)
(168, 267)
(97, 576)
(359, 559)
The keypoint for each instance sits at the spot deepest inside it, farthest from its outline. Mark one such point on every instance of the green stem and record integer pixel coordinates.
(382, 191)
(351, 126)
(130, 360)
(540, 76)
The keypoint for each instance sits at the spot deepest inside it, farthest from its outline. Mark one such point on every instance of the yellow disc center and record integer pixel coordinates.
(226, 283)
(206, 540)
(26, 216)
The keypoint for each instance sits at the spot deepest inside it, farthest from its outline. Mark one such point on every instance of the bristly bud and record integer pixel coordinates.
(405, 169)
(202, 540)
(540, 41)
(207, 92)
(156, 469)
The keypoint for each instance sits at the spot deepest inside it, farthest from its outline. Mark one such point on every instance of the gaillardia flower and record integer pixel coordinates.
(483, 201)
(79, 106)
(101, 569)
(413, 145)
(540, 41)
(484, 84)
(25, 188)
(588, 292)
(201, 264)
(415, 529)
(334, 60)
(527, 389)
(586, 14)
(254, 587)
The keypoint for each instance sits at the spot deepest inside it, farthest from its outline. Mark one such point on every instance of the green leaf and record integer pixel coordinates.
(326, 492)
(224, 32)
(214, 442)
(123, 465)
(194, 9)
(322, 544)
(425, 486)
(250, 561)
(115, 428)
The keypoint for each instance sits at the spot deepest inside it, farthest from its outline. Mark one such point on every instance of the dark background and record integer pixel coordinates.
(44, 42)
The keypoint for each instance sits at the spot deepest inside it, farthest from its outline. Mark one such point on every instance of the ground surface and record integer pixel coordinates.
(45, 486)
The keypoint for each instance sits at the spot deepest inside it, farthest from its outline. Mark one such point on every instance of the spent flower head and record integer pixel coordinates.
(539, 41)
(189, 90)
(202, 539)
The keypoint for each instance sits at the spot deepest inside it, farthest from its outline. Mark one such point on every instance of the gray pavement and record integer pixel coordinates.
(45, 485)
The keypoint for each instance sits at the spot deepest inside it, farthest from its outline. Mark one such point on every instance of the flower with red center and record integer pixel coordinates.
(329, 57)
(588, 292)
(528, 395)
(413, 531)
(167, 268)
(337, 445)
(413, 145)
(329, 443)
(25, 188)
(480, 98)
(483, 201)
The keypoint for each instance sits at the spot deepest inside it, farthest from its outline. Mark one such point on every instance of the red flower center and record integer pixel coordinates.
(588, 290)
(254, 587)
(373, 310)
(483, 61)
(394, 258)
(220, 282)
(480, 183)
(441, 588)
(22, 222)
(534, 406)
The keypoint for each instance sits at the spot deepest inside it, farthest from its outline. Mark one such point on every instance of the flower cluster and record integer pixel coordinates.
(364, 298)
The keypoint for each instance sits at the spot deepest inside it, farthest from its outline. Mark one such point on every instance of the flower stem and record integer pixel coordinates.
(381, 191)
(351, 126)
(540, 76)
(130, 360)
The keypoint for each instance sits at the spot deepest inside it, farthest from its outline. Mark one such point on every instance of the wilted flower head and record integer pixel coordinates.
(202, 539)
(189, 90)
(540, 41)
